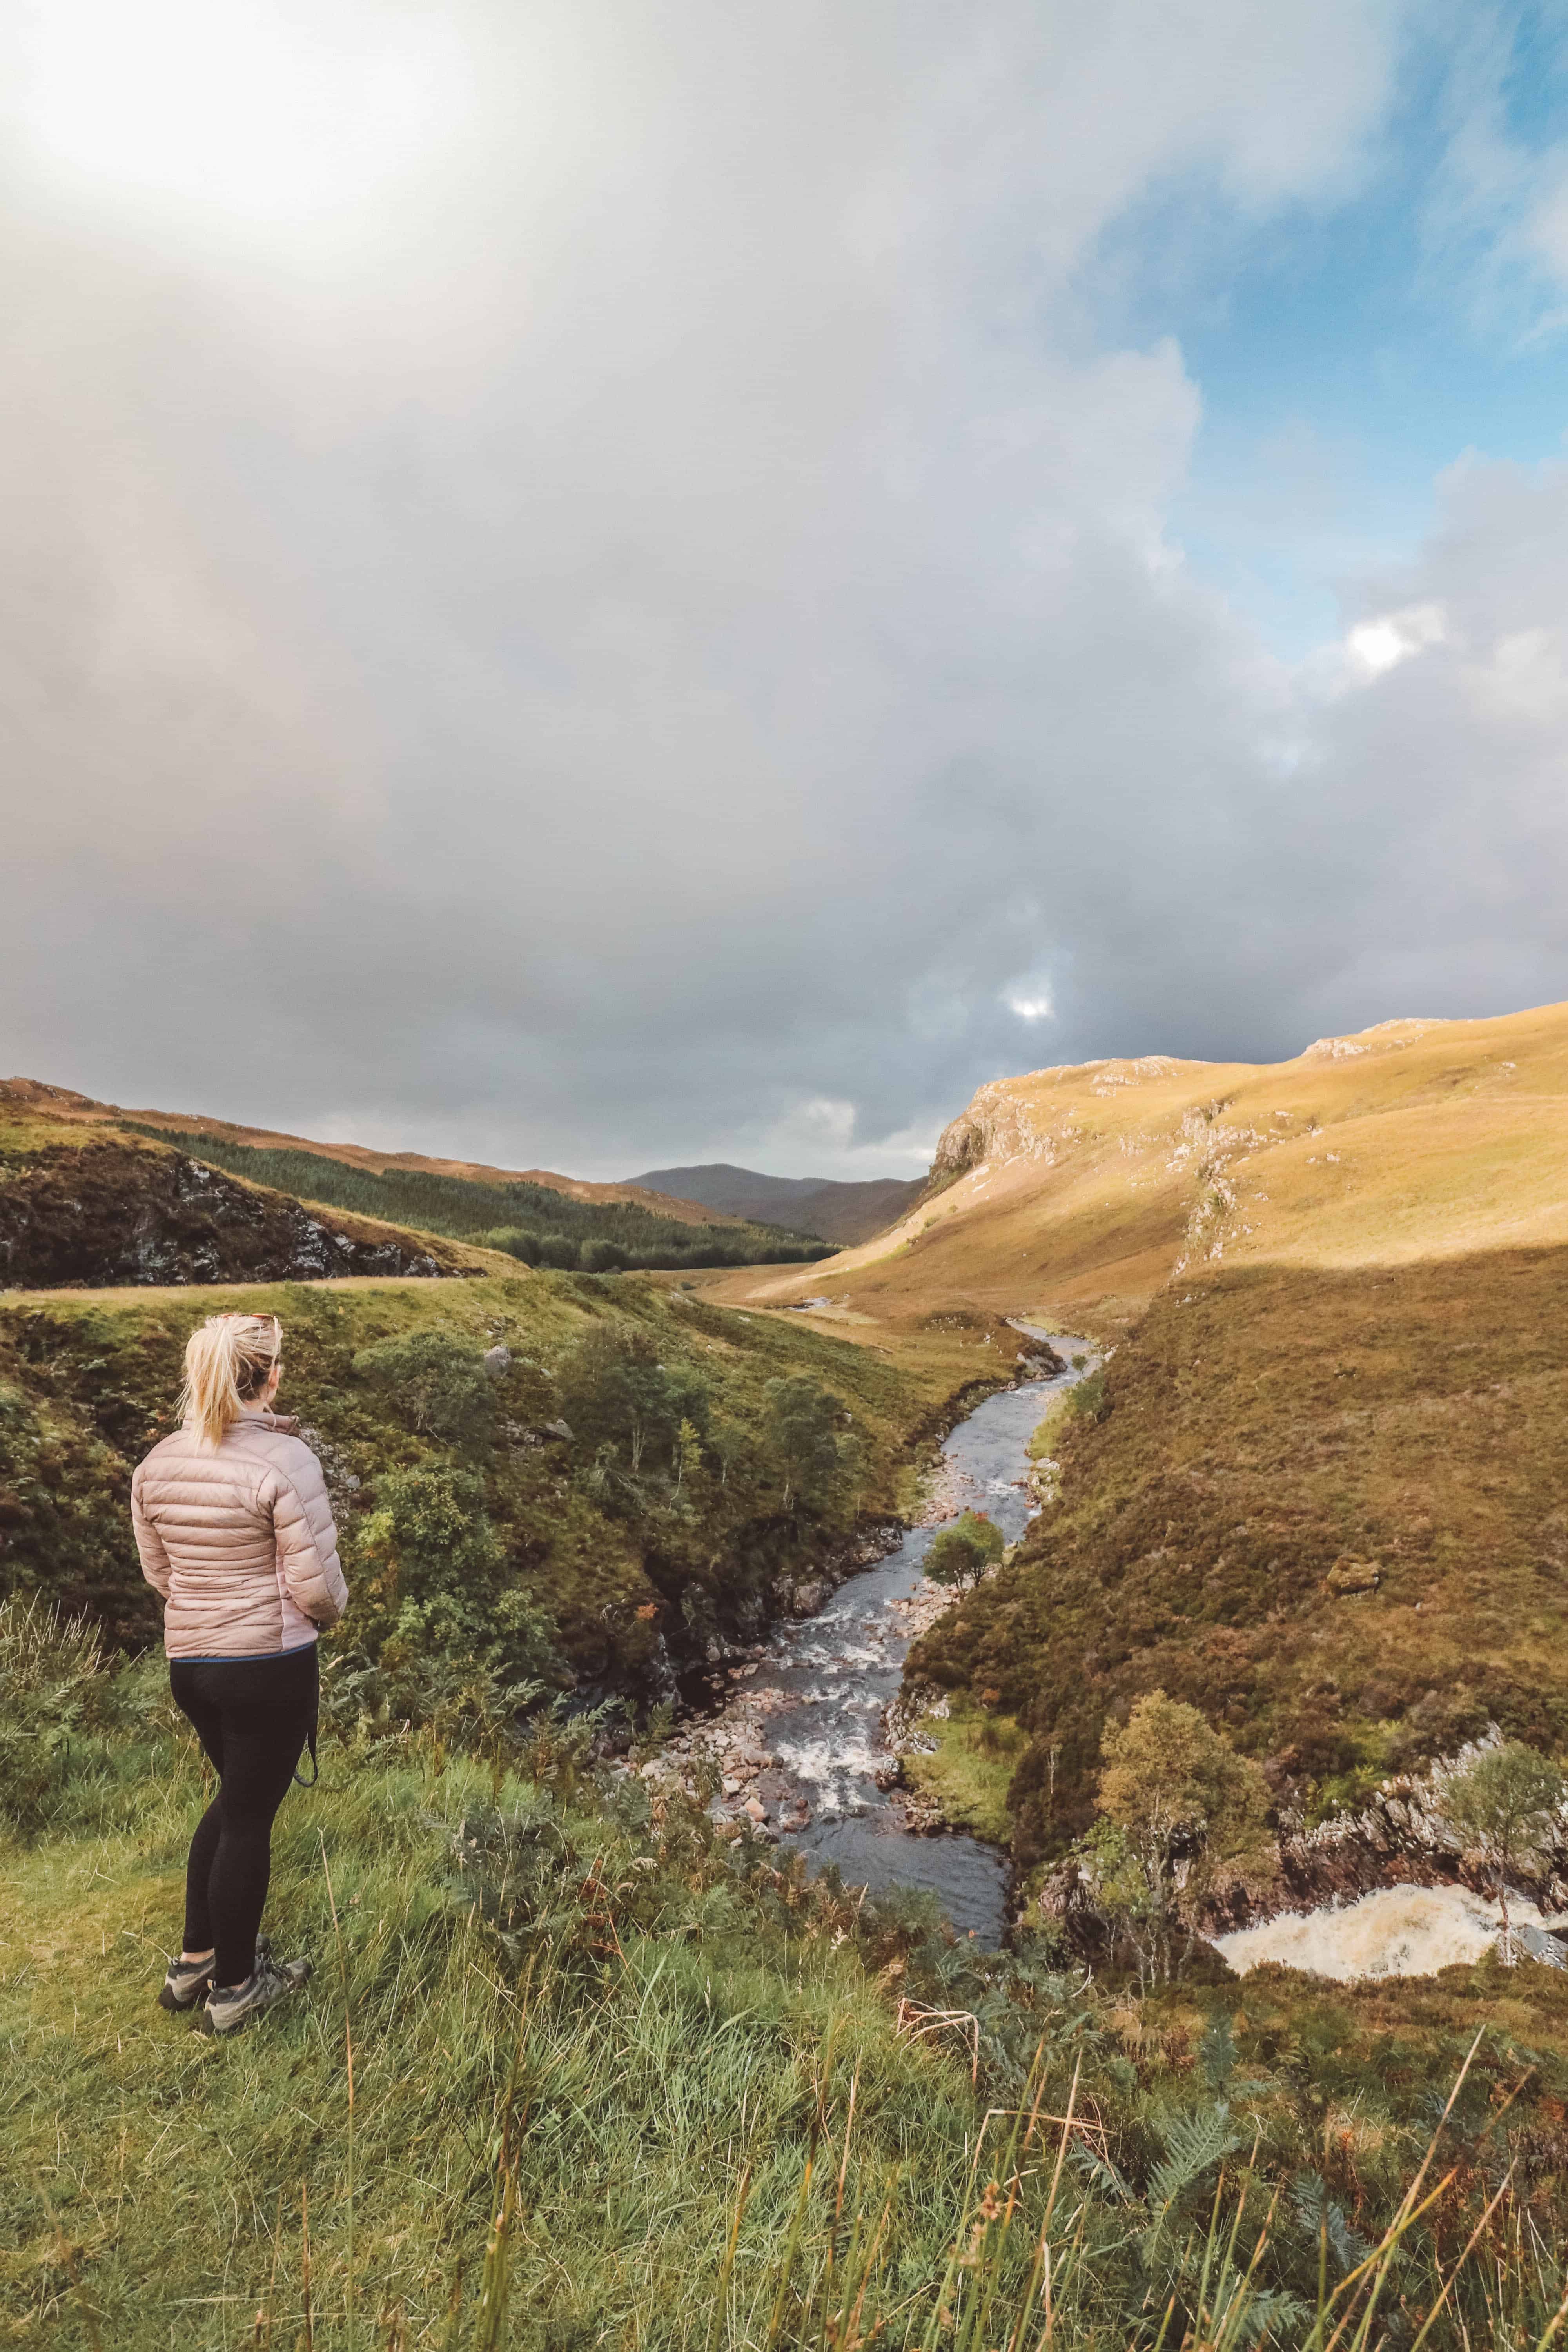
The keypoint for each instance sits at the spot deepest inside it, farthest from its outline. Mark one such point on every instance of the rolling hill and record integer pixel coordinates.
(836, 1212)
(1081, 1191)
(93, 1194)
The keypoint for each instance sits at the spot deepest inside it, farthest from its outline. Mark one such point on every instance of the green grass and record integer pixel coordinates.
(673, 2073)
(1047, 1432)
(968, 1773)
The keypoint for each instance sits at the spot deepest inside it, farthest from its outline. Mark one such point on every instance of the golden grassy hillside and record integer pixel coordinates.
(1326, 1497)
(1075, 1194)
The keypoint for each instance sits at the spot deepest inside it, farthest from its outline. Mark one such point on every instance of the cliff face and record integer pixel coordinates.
(110, 1214)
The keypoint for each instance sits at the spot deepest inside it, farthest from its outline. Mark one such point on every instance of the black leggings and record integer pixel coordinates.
(253, 1716)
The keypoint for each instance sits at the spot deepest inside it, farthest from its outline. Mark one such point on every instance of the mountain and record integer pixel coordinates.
(803, 1205)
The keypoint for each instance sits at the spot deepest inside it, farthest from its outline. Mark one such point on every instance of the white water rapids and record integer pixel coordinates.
(1396, 1931)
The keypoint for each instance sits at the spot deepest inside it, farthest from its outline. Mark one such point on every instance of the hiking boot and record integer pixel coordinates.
(189, 1981)
(227, 2011)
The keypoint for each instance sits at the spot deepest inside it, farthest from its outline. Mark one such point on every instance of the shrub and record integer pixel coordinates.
(1507, 1804)
(962, 1553)
(441, 1586)
(1181, 1812)
(603, 1257)
(616, 1394)
(514, 1240)
(437, 1382)
(558, 1250)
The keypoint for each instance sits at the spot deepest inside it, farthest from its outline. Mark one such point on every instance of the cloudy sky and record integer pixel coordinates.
(598, 583)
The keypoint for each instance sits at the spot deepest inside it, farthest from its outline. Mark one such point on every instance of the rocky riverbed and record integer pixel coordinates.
(805, 1744)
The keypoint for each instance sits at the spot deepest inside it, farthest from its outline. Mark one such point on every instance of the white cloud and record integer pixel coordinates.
(1392, 637)
(656, 635)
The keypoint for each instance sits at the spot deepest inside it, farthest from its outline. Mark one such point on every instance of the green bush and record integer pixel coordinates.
(962, 1553)
(441, 1593)
(603, 1257)
(436, 1384)
(514, 1240)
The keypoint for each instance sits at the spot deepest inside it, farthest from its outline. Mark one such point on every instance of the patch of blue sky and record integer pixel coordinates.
(1347, 354)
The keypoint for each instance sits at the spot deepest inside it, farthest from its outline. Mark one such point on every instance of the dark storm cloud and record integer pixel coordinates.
(648, 631)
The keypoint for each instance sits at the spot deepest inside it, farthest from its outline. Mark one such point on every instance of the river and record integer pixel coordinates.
(805, 1742)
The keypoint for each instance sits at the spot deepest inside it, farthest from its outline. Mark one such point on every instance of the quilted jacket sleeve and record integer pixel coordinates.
(149, 1542)
(307, 1539)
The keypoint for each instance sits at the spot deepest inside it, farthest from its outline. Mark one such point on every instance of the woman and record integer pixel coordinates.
(235, 1532)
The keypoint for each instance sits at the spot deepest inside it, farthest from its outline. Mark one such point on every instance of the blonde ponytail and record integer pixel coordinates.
(227, 1363)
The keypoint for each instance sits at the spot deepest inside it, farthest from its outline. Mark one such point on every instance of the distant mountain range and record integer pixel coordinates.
(804, 1204)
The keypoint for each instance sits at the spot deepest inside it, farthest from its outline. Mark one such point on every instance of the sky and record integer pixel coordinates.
(596, 586)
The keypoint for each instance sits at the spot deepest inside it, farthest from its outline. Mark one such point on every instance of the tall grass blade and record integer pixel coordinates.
(350, 2311)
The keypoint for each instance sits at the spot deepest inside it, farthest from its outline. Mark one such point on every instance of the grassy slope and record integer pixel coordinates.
(463, 1205)
(1279, 1420)
(372, 1198)
(101, 1184)
(687, 2025)
(1074, 1193)
(87, 1384)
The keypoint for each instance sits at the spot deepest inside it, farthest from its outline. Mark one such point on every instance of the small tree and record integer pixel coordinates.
(688, 1451)
(962, 1553)
(1507, 1805)
(1182, 1811)
(800, 1430)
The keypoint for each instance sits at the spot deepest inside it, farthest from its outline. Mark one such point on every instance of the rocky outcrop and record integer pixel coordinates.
(1400, 1838)
(112, 1214)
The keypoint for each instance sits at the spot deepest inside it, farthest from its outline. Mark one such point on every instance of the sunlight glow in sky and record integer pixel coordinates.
(268, 113)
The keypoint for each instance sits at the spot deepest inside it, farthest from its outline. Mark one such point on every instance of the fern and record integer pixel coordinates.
(1194, 2144)
(1318, 2213)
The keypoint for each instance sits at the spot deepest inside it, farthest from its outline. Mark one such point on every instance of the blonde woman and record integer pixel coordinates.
(234, 1530)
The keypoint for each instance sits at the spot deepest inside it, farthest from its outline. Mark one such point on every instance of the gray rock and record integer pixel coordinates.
(498, 1361)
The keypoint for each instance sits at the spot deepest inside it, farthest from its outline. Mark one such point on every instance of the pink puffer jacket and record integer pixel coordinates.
(240, 1542)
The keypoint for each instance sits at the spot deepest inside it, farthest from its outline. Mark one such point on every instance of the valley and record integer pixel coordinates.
(639, 1738)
